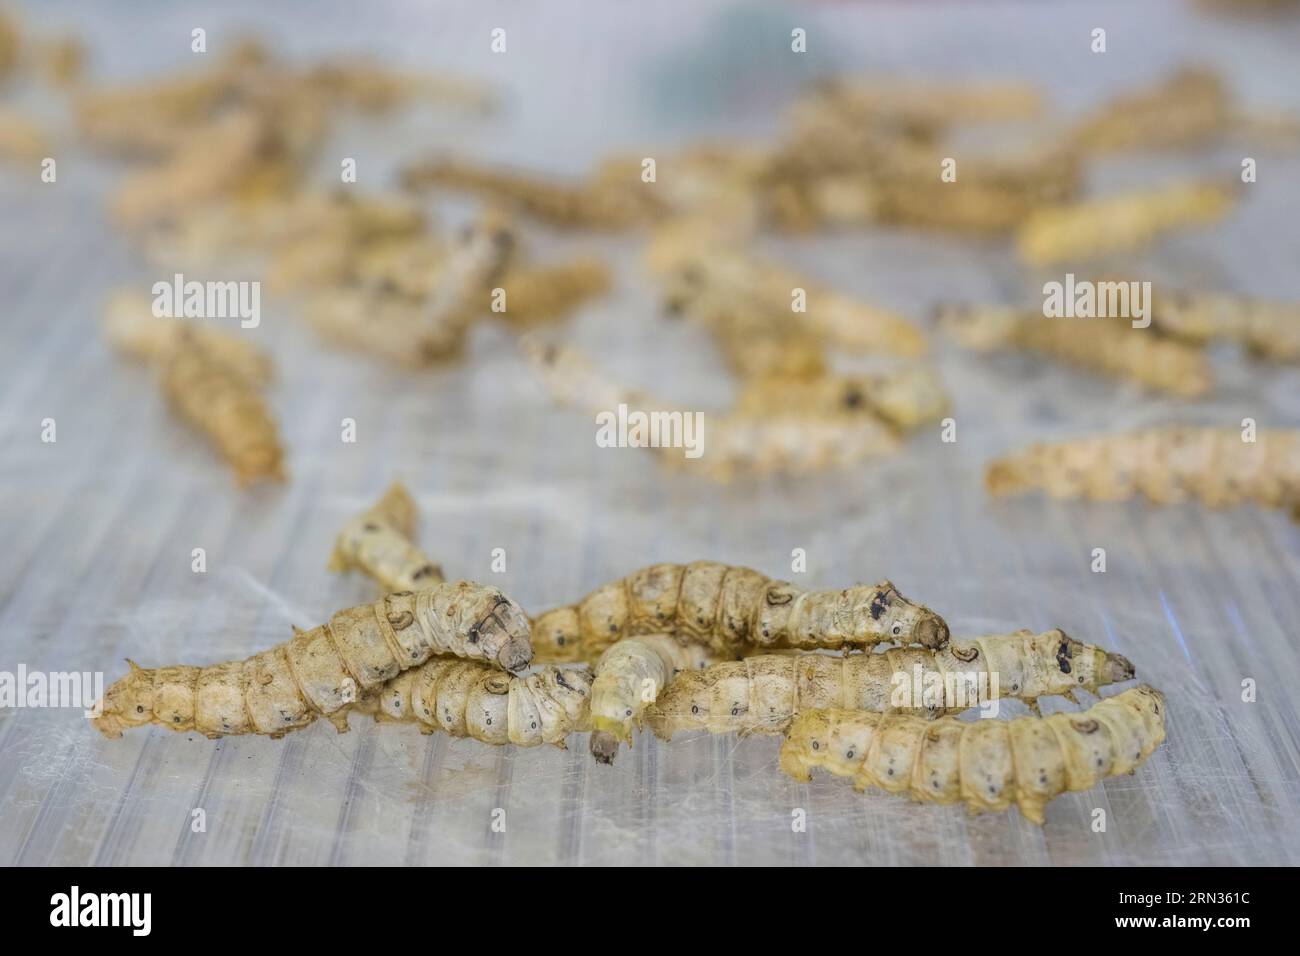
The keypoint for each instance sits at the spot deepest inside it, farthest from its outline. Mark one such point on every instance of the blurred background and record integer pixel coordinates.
(99, 526)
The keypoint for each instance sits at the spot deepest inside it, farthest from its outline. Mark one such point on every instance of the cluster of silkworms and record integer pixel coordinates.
(701, 646)
(221, 162)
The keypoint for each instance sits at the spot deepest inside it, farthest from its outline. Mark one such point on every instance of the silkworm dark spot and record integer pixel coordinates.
(139, 709)
(1085, 726)
(879, 603)
(816, 745)
(400, 620)
(966, 655)
(533, 725)
(424, 572)
(853, 398)
(472, 636)
(695, 709)
(489, 721)
(628, 712)
(1063, 657)
(559, 641)
(848, 755)
(889, 772)
(371, 526)
(735, 711)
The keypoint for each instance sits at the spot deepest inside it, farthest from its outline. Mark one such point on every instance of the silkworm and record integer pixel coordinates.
(933, 104)
(537, 294)
(378, 542)
(731, 444)
(227, 408)
(595, 205)
(987, 764)
(325, 670)
(630, 675)
(470, 699)
(729, 608)
(416, 332)
(1118, 224)
(1266, 329)
(1108, 346)
(753, 284)
(905, 398)
(762, 694)
(212, 162)
(1166, 465)
(133, 329)
(1187, 108)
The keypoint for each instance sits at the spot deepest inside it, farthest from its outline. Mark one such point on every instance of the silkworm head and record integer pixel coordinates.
(504, 635)
(127, 703)
(881, 613)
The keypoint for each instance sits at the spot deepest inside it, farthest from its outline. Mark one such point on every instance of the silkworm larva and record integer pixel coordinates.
(378, 542)
(469, 699)
(536, 294)
(988, 764)
(752, 283)
(371, 87)
(935, 105)
(763, 694)
(1171, 464)
(729, 444)
(728, 609)
(1108, 346)
(906, 397)
(211, 162)
(1187, 108)
(325, 670)
(410, 331)
(217, 400)
(599, 205)
(1118, 224)
(1267, 329)
(630, 675)
(134, 330)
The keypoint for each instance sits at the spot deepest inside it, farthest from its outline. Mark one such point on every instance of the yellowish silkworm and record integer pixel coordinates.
(729, 444)
(729, 609)
(595, 205)
(537, 294)
(630, 675)
(1118, 224)
(379, 543)
(1187, 108)
(1109, 346)
(987, 764)
(416, 332)
(763, 694)
(1267, 329)
(1216, 466)
(471, 699)
(324, 671)
(906, 397)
